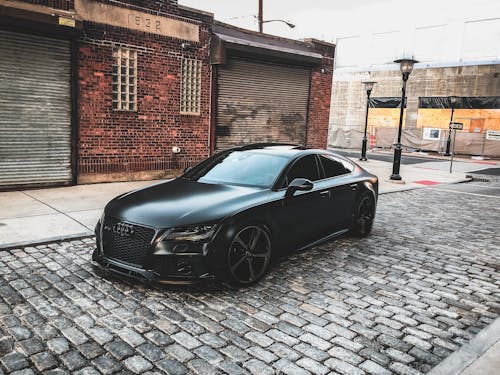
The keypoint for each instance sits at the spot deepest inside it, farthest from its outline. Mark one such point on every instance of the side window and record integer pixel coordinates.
(333, 166)
(306, 167)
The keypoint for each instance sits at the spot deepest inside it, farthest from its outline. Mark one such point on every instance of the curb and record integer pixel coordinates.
(400, 190)
(70, 237)
(459, 360)
(459, 157)
(483, 177)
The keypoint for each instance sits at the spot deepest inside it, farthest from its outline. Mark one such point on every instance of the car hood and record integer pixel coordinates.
(182, 202)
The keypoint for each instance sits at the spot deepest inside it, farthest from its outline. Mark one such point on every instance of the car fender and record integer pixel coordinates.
(257, 214)
(368, 186)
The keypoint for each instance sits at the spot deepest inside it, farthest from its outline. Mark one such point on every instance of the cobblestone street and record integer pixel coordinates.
(400, 301)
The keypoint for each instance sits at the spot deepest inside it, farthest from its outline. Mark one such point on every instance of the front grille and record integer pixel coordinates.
(126, 242)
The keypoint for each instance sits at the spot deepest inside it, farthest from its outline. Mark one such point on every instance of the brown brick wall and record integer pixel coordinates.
(58, 4)
(157, 7)
(121, 142)
(319, 104)
(116, 141)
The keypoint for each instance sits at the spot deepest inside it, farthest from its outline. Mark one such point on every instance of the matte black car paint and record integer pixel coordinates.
(293, 222)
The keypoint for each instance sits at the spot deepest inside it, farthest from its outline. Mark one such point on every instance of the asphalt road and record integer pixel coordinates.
(475, 188)
(407, 160)
(387, 157)
(488, 172)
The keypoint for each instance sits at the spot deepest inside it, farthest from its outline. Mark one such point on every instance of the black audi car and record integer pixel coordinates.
(231, 214)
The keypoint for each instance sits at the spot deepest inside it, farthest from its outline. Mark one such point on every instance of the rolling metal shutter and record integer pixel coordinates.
(35, 110)
(259, 102)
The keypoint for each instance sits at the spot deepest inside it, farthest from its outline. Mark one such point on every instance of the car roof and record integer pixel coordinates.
(287, 150)
(281, 149)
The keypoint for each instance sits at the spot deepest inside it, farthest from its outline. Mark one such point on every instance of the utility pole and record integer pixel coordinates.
(261, 19)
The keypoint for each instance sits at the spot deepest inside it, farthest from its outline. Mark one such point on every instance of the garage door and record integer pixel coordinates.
(35, 110)
(260, 102)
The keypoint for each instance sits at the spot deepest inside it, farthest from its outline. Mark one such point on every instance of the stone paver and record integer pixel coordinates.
(400, 301)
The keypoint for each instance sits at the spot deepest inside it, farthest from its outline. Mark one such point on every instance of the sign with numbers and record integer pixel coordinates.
(136, 20)
(456, 126)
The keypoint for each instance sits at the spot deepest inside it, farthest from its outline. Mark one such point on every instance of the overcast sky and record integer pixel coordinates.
(330, 19)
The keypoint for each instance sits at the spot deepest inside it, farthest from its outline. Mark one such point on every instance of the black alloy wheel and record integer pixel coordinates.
(248, 255)
(363, 216)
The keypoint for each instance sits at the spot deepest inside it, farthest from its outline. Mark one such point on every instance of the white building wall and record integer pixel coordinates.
(466, 42)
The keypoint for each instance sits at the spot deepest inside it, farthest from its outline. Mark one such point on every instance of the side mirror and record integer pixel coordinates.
(298, 184)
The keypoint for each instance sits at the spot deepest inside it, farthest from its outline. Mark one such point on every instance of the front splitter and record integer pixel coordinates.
(145, 276)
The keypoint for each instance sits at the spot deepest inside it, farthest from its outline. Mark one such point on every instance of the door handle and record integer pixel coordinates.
(354, 186)
(325, 194)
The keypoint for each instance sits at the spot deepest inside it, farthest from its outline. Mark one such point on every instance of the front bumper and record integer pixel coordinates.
(168, 269)
(140, 255)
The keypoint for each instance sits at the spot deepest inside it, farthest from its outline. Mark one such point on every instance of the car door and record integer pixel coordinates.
(302, 214)
(337, 174)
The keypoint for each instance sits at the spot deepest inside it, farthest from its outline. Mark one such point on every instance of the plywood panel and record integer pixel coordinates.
(440, 118)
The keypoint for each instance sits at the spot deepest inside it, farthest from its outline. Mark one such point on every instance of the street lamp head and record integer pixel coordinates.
(406, 65)
(453, 99)
(369, 85)
(289, 24)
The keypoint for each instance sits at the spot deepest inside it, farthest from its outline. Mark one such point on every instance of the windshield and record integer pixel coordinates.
(247, 168)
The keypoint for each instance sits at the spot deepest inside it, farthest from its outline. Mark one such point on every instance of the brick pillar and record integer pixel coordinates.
(320, 93)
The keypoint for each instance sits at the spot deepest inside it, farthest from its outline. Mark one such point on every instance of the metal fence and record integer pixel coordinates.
(127, 164)
(58, 4)
(385, 137)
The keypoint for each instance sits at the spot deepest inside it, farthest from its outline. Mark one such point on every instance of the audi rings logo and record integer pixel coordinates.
(123, 229)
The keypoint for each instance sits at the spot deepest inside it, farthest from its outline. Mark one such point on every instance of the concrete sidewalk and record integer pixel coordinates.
(414, 176)
(44, 215)
(480, 356)
(34, 216)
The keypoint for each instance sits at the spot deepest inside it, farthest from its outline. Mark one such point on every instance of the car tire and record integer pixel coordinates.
(363, 216)
(248, 255)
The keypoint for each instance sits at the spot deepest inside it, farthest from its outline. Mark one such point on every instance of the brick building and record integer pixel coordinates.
(136, 141)
(101, 90)
(269, 89)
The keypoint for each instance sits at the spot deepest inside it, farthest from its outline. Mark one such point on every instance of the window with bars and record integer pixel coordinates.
(125, 80)
(190, 86)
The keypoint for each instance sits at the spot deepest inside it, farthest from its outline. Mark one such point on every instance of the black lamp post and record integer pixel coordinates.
(406, 66)
(368, 87)
(453, 100)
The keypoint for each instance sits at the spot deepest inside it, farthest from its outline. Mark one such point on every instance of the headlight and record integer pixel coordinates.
(191, 233)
